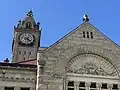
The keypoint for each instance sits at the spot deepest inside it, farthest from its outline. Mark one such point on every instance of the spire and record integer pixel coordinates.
(85, 18)
(28, 22)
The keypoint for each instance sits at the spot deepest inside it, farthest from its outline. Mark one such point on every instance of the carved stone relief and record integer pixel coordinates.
(91, 64)
(90, 68)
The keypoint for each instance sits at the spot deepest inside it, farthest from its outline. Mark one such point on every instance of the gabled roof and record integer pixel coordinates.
(79, 28)
(28, 23)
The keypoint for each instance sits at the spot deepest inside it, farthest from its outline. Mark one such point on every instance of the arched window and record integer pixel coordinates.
(28, 25)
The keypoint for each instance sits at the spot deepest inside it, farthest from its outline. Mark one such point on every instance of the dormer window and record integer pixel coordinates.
(28, 25)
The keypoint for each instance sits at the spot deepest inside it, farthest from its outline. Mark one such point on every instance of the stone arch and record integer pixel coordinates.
(63, 59)
(28, 25)
(33, 79)
(29, 22)
(7, 77)
(12, 78)
(22, 78)
(85, 62)
(17, 78)
(27, 78)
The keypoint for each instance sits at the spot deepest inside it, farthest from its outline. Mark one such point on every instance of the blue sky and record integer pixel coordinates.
(57, 18)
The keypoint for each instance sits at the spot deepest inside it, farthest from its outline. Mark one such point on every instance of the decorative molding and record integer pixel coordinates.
(90, 68)
(19, 79)
(91, 64)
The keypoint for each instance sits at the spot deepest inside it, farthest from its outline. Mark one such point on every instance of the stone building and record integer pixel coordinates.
(84, 59)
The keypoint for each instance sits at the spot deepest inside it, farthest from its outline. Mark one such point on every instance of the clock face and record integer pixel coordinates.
(26, 38)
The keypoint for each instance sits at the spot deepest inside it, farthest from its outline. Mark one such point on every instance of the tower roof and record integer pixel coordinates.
(28, 22)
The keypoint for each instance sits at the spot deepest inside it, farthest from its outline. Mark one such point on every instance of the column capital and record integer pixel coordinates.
(87, 84)
(118, 86)
(109, 85)
(98, 85)
(76, 83)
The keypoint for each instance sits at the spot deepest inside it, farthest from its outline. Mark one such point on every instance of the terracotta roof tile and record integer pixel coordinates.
(30, 62)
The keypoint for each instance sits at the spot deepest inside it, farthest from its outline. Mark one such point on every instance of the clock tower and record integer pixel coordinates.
(26, 39)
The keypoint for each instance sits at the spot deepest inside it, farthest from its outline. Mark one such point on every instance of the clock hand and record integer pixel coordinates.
(28, 39)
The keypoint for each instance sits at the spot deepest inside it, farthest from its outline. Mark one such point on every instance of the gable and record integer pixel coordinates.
(86, 33)
(77, 43)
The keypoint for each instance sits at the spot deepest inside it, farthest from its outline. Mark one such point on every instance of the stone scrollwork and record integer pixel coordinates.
(91, 64)
(90, 68)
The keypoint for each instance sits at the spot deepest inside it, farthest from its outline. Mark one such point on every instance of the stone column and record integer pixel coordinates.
(87, 85)
(66, 84)
(98, 85)
(118, 86)
(76, 85)
(109, 86)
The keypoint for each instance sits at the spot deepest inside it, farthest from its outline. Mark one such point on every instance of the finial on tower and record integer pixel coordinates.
(85, 18)
(30, 13)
